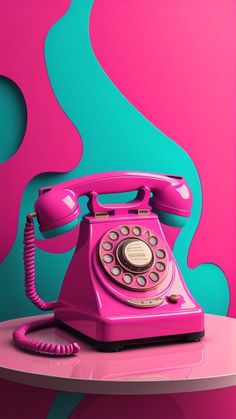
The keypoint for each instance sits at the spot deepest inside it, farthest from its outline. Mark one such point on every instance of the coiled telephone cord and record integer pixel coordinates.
(19, 335)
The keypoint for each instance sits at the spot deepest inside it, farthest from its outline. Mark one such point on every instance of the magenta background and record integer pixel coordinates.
(206, 114)
(217, 405)
(187, 90)
(19, 400)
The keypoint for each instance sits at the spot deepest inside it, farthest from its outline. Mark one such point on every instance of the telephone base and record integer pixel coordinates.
(116, 346)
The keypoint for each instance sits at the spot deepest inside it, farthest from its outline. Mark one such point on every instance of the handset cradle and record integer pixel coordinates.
(123, 285)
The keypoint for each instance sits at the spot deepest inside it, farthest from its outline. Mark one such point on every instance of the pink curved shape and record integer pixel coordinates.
(175, 62)
(117, 407)
(23, 401)
(218, 404)
(51, 142)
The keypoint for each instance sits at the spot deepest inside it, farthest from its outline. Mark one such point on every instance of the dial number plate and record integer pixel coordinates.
(134, 257)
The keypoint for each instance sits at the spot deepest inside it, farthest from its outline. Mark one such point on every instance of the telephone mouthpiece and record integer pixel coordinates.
(57, 211)
(53, 232)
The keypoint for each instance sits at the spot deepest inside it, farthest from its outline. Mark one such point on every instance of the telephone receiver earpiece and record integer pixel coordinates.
(172, 204)
(57, 208)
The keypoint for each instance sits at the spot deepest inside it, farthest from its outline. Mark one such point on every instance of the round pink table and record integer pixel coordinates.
(204, 365)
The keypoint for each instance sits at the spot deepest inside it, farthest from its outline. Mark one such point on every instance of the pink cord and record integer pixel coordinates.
(29, 264)
(22, 341)
(19, 335)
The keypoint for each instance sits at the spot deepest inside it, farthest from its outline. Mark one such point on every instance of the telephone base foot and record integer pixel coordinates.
(116, 346)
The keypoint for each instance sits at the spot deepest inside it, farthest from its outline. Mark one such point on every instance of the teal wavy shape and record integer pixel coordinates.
(63, 404)
(12, 108)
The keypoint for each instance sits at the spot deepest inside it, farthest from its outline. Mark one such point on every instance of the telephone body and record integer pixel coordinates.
(123, 286)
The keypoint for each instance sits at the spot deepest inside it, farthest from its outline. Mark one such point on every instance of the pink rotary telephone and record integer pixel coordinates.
(123, 286)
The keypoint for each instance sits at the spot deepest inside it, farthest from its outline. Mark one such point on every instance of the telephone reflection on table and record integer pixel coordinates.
(123, 286)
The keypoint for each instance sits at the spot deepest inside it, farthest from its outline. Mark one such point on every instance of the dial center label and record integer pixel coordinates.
(138, 253)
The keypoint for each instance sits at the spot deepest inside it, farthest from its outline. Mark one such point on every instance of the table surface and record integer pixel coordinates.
(182, 367)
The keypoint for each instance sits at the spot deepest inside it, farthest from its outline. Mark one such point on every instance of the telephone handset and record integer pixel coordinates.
(123, 285)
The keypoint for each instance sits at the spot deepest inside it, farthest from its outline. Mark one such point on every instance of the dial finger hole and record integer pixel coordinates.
(107, 246)
(160, 266)
(116, 270)
(124, 230)
(113, 235)
(137, 231)
(154, 276)
(141, 281)
(160, 253)
(127, 278)
(153, 240)
(108, 258)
